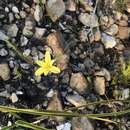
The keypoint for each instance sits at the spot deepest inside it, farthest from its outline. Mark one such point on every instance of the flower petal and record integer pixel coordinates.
(52, 61)
(40, 63)
(47, 57)
(55, 70)
(39, 71)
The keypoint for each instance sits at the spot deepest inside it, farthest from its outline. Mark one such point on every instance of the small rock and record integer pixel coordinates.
(55, 9)
(25, 66)
(66, 126)
(112, 30)
(71, 5)
(56, 105)
(108, 41)
(3, 52)
(128, 7)
(123, 23)
(38, 14)
(29, 28)
(23, 14)
(39, 32)
(97, 36)
(7, 9)
(98, 49)
(125, 94)
(104, 73)
(15, 9)
(4, 72)
(3, 36)
(50, 93)
(81, 124)
(104, 20)
(27, 52)
(88, 20)
(13, 98)
(117, 15)
(78, 82)
(11, 17)
(76, 100)
(23, 41)
(124, 32)
(99, 85)
(12, 30)
(55, 41)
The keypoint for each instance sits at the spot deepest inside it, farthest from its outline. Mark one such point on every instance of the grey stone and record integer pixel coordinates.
(112, 30)
(3, 52)
(23, 41)
(88, 20)
(82, 123)
(38, 14)
(27, 52)
(76, 100)
(55, 9)
(65, 126)
(3, 36)
(15, 9)
(11, 29)
(108, 41)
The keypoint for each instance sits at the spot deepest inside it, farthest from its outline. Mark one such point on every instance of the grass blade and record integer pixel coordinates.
(29, 125)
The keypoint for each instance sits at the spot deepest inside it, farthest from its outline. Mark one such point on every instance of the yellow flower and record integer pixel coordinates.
(46, 66)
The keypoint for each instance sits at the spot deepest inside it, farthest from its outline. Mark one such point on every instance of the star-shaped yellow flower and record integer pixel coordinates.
(46, 66)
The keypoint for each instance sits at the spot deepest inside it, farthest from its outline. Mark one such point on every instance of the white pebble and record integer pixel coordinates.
(66, 126)
(15, 9)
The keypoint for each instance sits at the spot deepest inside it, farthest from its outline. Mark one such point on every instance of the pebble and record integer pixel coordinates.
(128, 7)
(88, 20)
(112, 30)
(76, 100)
(103, 73)
(71, 5)
(25, 66)
(11, 17)
(99, 85)
(123, 33)
(15, 9)
(97, 35)
(14, 98)
(79, 83)
(3, 36)
(50, 93)
(7, 9)
(23, 41)
(65, 126)
(123, 23)
(39, 32)
(23, 14)
(4, 71)
(55, 105)
(27, 52)
(55, 9)
(3, 52)
(108, 41)
(125, 94)
(12, 30)
(82, 123)
(55, 41)
(98, 49)
(38, 14)
(104, 20)
(29, 28)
